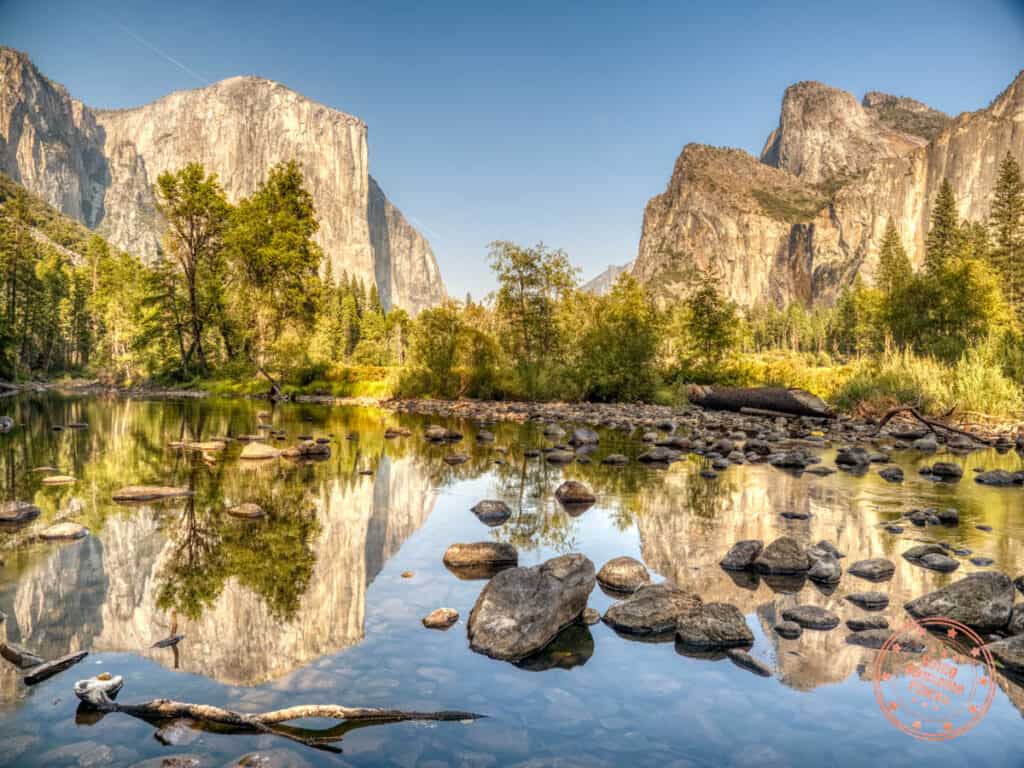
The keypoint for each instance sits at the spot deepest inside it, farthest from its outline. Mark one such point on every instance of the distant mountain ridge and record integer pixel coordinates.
(602, 283)
(807, 218)
(99, 167)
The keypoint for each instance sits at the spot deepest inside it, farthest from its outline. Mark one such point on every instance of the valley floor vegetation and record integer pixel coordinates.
(238, 295)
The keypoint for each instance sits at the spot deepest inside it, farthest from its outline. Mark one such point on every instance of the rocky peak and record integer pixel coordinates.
(824, 134)
(1010, 103)
(901, 113)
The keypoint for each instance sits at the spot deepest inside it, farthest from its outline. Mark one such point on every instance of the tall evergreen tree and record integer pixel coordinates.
(1007, 225)
(893, 263)
(944, 235)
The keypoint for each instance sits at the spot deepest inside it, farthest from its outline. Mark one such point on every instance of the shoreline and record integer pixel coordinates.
(614, 415)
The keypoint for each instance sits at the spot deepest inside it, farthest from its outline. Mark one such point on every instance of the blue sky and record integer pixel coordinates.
(530, 121)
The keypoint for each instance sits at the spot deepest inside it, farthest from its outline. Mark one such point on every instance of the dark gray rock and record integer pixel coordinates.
(876, 638)
(867, 622)
(983, 601)
(789, 630)
(714, 625)
(784, 555)
(873, 569)
(742, 555)
(826, 570)
(492, 512)
(853, 457)
(18, 512)
(872, 601)
(652, 610)
(998, 477)
(892, 474)
(947, 470)
(583, 436)
(811, 617)
(521, 610)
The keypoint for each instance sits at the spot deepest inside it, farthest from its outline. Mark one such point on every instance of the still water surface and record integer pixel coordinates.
(309, 605)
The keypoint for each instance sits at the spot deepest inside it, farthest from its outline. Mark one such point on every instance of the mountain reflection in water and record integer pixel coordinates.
(293, 606)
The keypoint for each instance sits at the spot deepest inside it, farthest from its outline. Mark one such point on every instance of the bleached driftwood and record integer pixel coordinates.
(98, 693)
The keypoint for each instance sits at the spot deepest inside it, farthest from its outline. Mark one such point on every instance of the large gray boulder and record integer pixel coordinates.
(714, 625)
(521, 610)
(492, 512)
(583, 436)
(873, 569)
(811, 617)
(652, 610)
(983, 601)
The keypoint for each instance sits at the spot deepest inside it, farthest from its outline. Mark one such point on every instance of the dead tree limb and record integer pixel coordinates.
(930, 423)
(97, 693)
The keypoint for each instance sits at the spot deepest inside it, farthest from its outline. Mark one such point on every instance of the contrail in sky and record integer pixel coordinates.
(164, 56)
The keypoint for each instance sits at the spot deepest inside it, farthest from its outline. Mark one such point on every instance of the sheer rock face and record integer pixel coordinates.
(774, 231)
(99, 166)
(824, 133)
(725, 210)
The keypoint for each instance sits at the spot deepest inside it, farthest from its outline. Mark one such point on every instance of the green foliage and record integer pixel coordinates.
(706, 325)
(618, 348)
(1006, 221)
(790, 207)
(944, 239)
(894, 268)
(531, 281)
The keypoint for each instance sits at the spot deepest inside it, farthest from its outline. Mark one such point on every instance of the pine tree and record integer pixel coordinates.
(893, 263)
(1007, 224)
(944, 236)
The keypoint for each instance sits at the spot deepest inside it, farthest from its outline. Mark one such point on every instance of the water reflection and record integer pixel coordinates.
(255, 599)
(278, 605)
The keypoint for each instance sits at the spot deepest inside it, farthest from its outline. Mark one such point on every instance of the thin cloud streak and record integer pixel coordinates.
(165, 56)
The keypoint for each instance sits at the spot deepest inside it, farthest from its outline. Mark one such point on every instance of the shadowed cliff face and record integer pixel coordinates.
(840, 171)
(100, 166)
(107, 593)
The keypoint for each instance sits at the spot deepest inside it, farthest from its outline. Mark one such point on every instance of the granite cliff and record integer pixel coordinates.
(99, 167)
(807, 218)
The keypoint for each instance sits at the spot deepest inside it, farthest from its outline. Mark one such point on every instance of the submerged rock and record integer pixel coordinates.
(811, 617)
(867, 622)
(998, 477)
(440, 618)
(255, 451)
(623, 574)
(247, 510)
(873, 569)
(492, 512)
(876, 638)
(892, 474)
(983, 601)
(64, 531)
(947, 470)
(714, 625)
(480, 553)
(521, 610)
(574, 492)
(742, 555)
(784, 555)
(583, 436)
(789, 630)
(872, 601)
(58, 480)
(652, 610)
(150, 492)
(18, 512)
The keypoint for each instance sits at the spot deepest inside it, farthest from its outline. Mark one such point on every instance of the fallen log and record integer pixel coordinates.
(97, 693)
(782, 401)
(48, 669)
